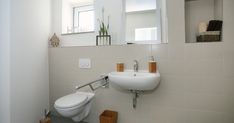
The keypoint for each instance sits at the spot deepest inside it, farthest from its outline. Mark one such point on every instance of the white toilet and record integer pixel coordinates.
(76, 106)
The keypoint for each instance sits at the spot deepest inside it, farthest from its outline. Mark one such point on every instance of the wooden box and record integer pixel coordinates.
(47, 120)
(109, 117)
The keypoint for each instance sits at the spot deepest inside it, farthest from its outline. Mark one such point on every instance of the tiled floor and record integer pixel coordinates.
(56, 119)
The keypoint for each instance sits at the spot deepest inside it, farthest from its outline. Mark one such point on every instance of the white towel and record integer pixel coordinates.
(202, 27)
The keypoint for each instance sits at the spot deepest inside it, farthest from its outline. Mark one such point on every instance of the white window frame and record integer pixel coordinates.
(83, 9)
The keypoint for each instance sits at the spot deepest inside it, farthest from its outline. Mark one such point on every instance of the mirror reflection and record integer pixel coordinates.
(113, 22)
(203, 20)
(141, 21)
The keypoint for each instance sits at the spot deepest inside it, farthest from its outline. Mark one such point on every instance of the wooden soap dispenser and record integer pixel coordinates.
(152, 65)
(120, 65)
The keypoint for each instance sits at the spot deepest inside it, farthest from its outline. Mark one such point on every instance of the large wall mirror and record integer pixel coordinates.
(203, 20)
(114, 22)
(142, 21)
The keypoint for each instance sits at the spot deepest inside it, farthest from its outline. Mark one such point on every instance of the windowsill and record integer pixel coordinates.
(75, 33)
(144, 42)
(141, 11)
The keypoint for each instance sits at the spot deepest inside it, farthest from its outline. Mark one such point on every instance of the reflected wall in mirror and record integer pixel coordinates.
(143, 21)
(203, 20)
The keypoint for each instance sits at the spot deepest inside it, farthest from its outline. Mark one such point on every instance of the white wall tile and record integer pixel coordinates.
(197, 116)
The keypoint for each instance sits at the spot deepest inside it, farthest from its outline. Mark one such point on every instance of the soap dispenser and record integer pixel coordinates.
(120, 65)
(152, 65)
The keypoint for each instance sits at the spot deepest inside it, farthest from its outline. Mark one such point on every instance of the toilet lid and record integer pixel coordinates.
(71, 100)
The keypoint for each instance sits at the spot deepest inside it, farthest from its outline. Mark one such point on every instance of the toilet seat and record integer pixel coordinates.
(70, 101)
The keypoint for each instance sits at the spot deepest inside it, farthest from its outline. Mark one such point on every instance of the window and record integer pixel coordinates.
(83, 19)
(77, 16)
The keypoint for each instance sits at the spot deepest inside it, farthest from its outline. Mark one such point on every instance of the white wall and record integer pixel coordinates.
(67, 15)
(218, 9)
(30, 28)
(197, 79)
(4, 61)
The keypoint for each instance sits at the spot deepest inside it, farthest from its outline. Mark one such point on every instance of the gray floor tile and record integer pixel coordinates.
(56, 119)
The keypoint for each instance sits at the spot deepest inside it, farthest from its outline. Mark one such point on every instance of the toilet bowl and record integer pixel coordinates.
(75, 106)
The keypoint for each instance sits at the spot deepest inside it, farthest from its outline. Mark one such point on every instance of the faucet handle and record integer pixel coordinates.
(135, 67)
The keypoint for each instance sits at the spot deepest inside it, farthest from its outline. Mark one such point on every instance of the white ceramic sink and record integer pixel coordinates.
(131, 80)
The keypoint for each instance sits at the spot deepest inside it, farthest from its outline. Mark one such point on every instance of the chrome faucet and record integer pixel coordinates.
(135, 66)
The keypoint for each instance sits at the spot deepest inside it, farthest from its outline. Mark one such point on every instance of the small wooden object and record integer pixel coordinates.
(46, 120)
(152, 66)
(54, 41)
(120, 67)
(108, 117)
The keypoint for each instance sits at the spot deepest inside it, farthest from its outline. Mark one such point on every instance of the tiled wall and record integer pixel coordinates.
(197, 79)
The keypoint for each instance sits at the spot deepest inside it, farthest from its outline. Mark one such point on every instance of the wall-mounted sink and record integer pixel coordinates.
(140, 81)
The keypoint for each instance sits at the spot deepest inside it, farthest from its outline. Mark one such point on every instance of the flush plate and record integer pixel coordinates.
(84, 63)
